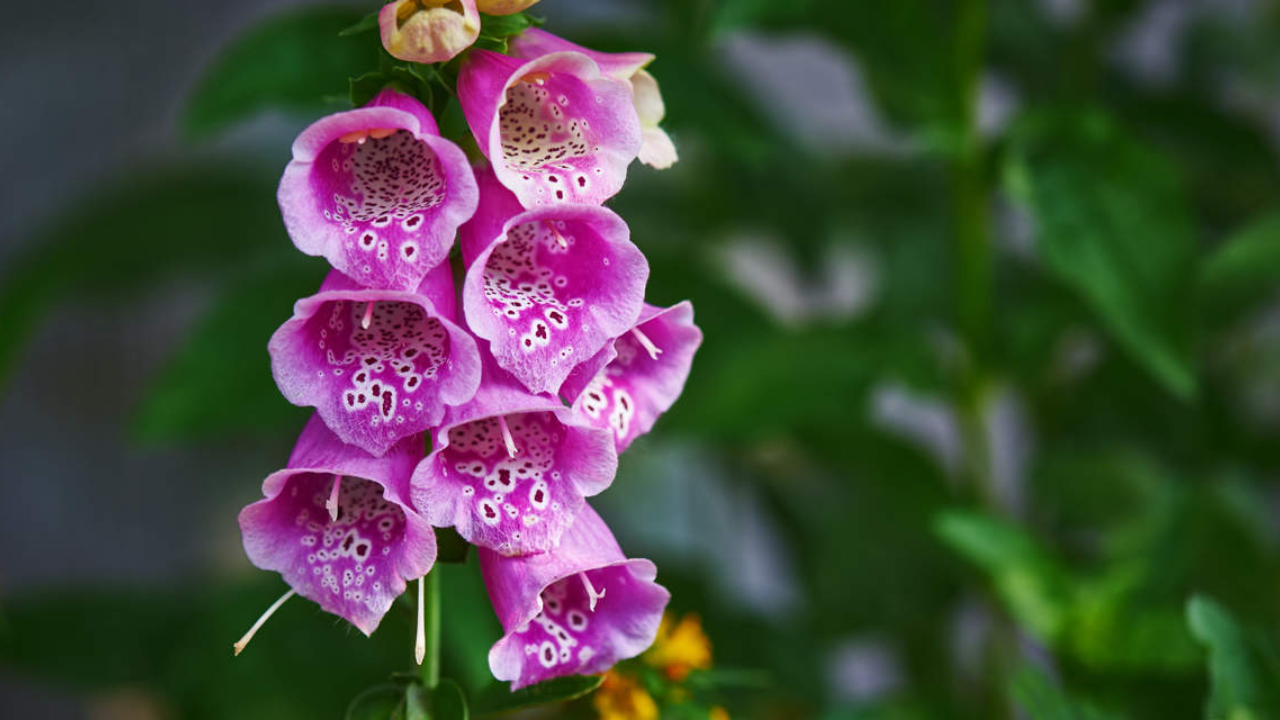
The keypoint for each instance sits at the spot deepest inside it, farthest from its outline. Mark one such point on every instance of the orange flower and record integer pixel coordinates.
(680, 647)
(621, 698)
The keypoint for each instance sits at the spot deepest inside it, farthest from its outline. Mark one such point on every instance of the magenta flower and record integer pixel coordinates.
(337, 524)
(378, 365)
(574, 611)
(656, 149)
(548, 287)
(644, 372)
(510, 469)
(555, 128)
(377, 192)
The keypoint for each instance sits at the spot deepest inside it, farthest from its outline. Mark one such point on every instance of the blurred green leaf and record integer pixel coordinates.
(381, 702)
(291, 62)
(1032, 587)
(1111, 223)
(499, 698)
(1041, 699)
(159, 225)
(1244, 270)
(417, 705)
(220, 381)
(1243, 669)
(365, 24)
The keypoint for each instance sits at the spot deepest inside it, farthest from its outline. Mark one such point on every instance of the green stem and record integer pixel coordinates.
(431, 614)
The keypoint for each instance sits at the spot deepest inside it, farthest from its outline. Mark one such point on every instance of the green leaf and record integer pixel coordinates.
(290, 62)
(1112, 224)
(498, 698)
(219, 383)
(366, 23)
(1030, 584)
(380, 702)
(1042, 700)
(501, 27)
(1244, 270)
(448, 702)
(1244, 672)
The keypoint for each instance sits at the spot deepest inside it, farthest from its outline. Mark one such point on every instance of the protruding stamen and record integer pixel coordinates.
(379, 133)
(653, 350)
(367, 320)
(556, 231)
(420, 642)
(332, 503)
(512, 450)
(242, 642)
(592, 594)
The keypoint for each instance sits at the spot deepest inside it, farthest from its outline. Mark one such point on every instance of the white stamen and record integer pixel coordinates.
(242, 642)
(512, 450)
(368, 316)
(559, 238)
(653, 350)
(592, 595)
(420, 642)
(332, 503)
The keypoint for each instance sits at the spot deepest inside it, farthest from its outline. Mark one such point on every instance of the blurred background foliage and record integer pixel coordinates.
(985, 423)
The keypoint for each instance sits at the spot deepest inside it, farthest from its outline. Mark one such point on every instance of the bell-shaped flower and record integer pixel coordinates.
(377, 192)
(577, 610)
(510, 469)
(338, 526)
(657, 149)
(428, 31)
(555, 128)
(644, 371)
(548, 287)
(504, 7)
(378, 365)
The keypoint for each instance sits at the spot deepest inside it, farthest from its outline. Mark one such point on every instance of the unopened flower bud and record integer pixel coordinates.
(428, 31)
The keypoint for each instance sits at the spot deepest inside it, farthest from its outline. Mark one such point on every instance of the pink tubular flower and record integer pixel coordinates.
(337, 524)
(378, 365)
(428, 31)
(377, 192)
(644, 372)
(657, 149)
(548, 287)
(510, 469)
(555, 128)
(577, 610)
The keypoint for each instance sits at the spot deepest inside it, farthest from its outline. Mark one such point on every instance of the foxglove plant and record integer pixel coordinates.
(497, 417)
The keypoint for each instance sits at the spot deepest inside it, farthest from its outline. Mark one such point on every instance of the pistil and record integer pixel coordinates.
(653, 350)
(559, 238)
(592, 594)
(367, 320)
(420, 641)
(242, 642)
(332, 503)
(512, 450)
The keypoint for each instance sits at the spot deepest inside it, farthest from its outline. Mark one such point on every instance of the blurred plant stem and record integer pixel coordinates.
(971, 192)
(431, 611)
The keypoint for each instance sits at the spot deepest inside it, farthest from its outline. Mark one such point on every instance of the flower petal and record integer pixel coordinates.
(513, 495)
(377, 385)
(428, 34)
(552, 289)
(356, 565)
(576, 610)
(377, 192)
(554, 127)
(643, 378)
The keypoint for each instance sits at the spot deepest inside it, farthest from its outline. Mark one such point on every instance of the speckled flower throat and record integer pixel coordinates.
(395, 358)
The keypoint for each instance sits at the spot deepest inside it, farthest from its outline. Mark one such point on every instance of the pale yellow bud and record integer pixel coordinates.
(428, 31)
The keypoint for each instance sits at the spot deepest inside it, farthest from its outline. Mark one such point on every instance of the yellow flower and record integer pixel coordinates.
(680, 648)
(621, 698)
(503, 7)
(718, 713)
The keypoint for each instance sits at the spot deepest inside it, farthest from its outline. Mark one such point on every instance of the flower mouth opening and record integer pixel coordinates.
(382, 353)
(526, 283)
(407, 10)
(539, 132)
